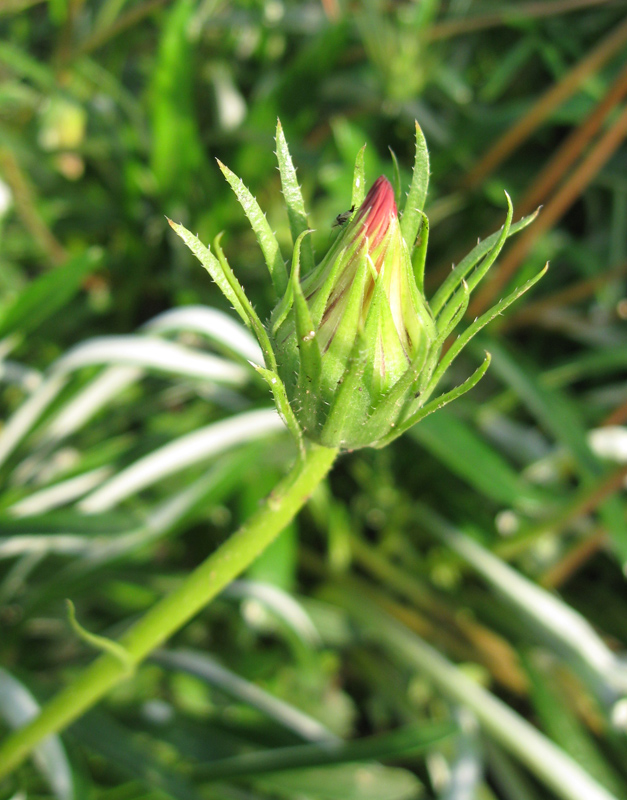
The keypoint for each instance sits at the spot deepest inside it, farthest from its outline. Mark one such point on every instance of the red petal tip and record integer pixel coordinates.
(378, 208)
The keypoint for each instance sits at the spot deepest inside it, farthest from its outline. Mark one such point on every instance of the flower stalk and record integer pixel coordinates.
(352, 356)
(173, 611)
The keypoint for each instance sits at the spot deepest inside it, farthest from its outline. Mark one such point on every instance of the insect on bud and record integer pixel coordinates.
(368, 322)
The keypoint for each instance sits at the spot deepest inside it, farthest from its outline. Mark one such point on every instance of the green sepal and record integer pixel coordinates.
(253, 322)
(390, 407)
(460, 272)
(419, 256)
(319, 303)
(213, 267)
(308, 348)
(438, 403)
(280, 313)
(460, 304)
(488, 261)
(292, 194)
(350, 403)
(341, 345)
(386, 355)
(277, 387)
(447, 311)
(410, 221)
(265, 236)
(473, 329)
(228, 284)
(359, 180)
(456, 308)
(396, 177)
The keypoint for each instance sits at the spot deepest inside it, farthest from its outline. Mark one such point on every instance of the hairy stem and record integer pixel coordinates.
(174, 610)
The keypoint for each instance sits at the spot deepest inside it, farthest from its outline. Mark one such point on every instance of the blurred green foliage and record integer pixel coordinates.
(111, 116)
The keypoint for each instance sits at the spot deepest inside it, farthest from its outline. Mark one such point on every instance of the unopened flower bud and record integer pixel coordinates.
(352, 352)
(368, 323)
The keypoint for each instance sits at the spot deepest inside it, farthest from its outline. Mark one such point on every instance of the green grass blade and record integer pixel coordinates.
(561, 722)
(17, 706)
(47, 294)
(468, 455)
(548, 762)
(546, 614)
(411, 739)
(203, 666)
(177, 154)
(181, 453)
(558, 415)
(357, 781)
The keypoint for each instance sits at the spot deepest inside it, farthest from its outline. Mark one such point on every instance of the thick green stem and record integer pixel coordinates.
(171, 613)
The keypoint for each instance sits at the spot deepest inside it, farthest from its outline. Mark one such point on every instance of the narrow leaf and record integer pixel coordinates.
(213, 267)
(415, 204)
(100, 643)
(17, 707)
(476, 326)
(293, 198)
(359, 179)
(544, 613)
(459, 272)
(185, 451)
(485, 265)
(419, 256)
(396, 177)
(310, 358)
(548, 763)
(442, 401)
(265, 236)
(410, 739)
(279, 394)
(47, 294)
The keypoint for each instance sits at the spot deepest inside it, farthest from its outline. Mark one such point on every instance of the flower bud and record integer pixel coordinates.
(366, 323)
(352, 353)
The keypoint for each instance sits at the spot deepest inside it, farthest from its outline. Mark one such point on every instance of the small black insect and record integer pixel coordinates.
(343, 217)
